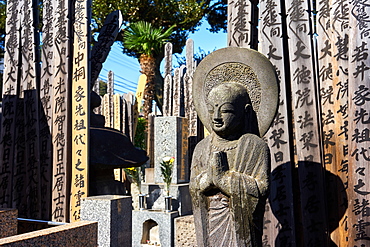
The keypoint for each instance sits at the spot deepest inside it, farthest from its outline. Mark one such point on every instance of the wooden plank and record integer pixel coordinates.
(279, 224)
(9, 101)
(29, 80)
(46, 81)
(176, 93)
(332, 81)
(117, 112)
(80, 106)
(168, 59)
(106, 110)
(190, 63)
(339, 15)
(96, 89)
(130, 101)
(11, 55)
(110, 92)
(19, 166)
(306, 122)
(182, 90)
(190, 112)
(167, 96)
(140, 91)
(106, 38)
(358, 127)
(61, 130)
(125, 128)
(238, 23)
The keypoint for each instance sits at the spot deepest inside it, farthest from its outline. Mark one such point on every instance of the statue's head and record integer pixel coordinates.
(228, 107)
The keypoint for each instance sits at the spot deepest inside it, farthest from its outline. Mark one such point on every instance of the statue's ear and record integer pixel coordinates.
(247, 108)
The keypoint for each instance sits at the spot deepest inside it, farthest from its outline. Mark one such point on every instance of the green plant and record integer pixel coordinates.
(134, 174)
(166, 170)
(147, 42)
(140, 133)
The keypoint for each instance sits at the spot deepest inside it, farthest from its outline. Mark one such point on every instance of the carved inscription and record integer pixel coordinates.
(80, 107)
(60, 109)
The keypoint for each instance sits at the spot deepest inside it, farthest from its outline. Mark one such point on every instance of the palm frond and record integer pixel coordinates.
(142, 38)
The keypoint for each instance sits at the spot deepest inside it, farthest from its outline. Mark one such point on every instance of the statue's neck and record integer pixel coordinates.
(228, 138)
(225, 140)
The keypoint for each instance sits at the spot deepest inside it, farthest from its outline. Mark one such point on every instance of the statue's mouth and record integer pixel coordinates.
(218, 124)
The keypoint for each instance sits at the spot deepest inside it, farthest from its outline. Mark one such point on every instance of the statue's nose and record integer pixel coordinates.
(217, 114)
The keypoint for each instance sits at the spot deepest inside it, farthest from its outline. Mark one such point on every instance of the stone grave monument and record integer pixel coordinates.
(155, 225)
(236, 99)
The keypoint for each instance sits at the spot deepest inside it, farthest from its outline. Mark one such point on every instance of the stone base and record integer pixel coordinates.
(185, 231)
(114, 216)
(181, 200)
(8, 222)
(154, 226)
(77, 234)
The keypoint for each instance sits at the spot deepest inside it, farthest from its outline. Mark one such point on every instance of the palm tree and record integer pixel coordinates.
(147, 43)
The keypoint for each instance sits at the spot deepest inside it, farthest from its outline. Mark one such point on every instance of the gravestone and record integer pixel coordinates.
(8, 222)
(171, 138)
(114, 216)
(143, 223)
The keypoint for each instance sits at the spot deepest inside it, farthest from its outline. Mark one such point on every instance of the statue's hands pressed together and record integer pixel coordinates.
(205, 181)
(220, 171)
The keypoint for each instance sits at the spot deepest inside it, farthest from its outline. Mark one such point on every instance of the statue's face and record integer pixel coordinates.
(226, 112)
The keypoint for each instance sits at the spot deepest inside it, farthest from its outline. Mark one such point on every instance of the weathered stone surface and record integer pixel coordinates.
(149, 175)
(231, 167)
(185, 231)
(8, 222)
(114, 217)
(154, 225)
(79, 234)
(181, 200)
(234, 64)
(171, 138)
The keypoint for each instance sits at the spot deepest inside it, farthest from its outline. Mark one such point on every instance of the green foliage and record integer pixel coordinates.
(185, 14)
(134, 175)
(139, 138)
(102, 88)
(166, 171)
(143, 38)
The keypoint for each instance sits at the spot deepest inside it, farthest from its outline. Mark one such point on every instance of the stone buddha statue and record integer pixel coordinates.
(230, 168)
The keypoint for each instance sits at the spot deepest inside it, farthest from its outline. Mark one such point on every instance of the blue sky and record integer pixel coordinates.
(126, 69)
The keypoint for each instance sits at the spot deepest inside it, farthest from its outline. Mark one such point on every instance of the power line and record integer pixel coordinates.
(115, 75)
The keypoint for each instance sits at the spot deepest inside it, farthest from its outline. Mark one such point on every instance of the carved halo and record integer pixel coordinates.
(243, 66)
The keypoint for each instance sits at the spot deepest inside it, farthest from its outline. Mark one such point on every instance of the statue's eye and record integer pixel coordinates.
(227, 110)
(210, 109)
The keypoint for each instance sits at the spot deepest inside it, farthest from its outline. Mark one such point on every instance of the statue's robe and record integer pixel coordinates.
(228, 209)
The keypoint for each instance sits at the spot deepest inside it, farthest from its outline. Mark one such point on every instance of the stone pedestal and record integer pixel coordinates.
(114, 216)
(8, 222)
(171, 139)
(181, 200)
(154, 225)
(76, 234)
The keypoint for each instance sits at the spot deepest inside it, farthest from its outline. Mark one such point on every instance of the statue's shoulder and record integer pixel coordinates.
(252, 139)
(204, 143)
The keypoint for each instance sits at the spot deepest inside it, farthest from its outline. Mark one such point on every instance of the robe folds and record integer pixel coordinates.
(229, 188)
